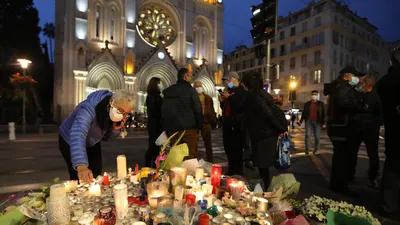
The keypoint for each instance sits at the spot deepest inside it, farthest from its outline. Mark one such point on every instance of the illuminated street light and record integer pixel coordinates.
(293, 84)
(24, 65)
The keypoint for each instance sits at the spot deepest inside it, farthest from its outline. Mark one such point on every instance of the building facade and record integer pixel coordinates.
(315, 43)
(122, 44)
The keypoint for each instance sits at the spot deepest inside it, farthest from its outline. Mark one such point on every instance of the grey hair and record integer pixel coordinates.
(124, 96)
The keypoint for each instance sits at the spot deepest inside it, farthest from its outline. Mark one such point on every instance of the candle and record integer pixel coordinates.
(216, 171)
(210, 200)
(189, 180)
(95, 190)
(207, 189)
(78, 211)
(86, 219)
(199, 195)
(67, 187)
(199, 173)
(121, 200)
(191, 199)
(228, 216)
(204, 219)
(57, 192)
(153, 202)
(165, 202)
(134, 178)
(121, 167)
(139, 223)
(262, 204)
(136, 169)
(179, 190)
(235, 191)
(106, 179)
(177, 176)
(188, 190)
(160, 217)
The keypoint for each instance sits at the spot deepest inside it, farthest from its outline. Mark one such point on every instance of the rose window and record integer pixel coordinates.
(155, 27)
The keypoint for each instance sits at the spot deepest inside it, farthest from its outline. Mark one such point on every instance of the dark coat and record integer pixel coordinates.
(321, 112)
(263, 127)
(389, 92)
(154, 103)
(181, 109)
(369, 118)
(236, 103)
(342, 105)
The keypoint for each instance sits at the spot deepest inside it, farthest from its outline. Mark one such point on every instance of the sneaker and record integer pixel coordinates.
(315, 151)
(373, 184)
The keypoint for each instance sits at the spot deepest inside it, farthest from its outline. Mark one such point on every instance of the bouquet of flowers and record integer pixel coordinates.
(317, 207)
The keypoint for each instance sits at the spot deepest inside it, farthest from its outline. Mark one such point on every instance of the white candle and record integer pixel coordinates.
(179, 191)
(189, 179)
(235, 190)
(199, 173)
(262, 204)
(95, 190)
(78, 211)
(199, 195)
(121, 167)
(207, 189)
(153, 202)
(121, 200)
(134, 178)
(210, 200)
(67, 186)
(139, 223)
(57, 192)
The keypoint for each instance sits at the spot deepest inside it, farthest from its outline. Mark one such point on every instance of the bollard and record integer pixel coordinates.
(11, 130)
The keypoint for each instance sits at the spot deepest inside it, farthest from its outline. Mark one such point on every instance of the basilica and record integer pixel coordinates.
(122, 44)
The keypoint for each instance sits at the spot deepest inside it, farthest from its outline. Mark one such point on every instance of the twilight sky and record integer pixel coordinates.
(237, 17)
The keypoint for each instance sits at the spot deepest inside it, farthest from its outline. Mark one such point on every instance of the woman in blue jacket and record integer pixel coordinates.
(101, 116)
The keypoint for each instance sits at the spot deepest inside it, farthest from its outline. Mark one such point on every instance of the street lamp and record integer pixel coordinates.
(24, 65)
(293, 85)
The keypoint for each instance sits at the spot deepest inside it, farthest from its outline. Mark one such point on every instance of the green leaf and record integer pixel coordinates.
(43, 188)
(56, 180)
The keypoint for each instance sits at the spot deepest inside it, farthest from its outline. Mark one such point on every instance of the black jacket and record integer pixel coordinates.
(320, 112)
(181, 109)
(154, 105)
(262, 121)
(237, 101)
(369, 116)
(342, 105)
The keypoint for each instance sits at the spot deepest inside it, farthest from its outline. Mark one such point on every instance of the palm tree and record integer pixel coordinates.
(48, 31)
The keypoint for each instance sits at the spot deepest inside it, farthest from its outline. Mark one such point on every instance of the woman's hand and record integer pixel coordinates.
(84, 174)
(119, 125)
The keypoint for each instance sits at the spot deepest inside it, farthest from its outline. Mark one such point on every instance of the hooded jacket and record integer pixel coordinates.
(80, 130)
(181, 109)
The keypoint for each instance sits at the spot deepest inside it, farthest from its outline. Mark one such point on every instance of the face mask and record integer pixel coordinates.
(314, 97)
(160, 86)
(354, 81)
(115, 116)
(199, 90)
(231, 85)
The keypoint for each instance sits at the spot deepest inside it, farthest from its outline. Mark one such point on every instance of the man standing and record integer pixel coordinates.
(209, 119)
(367, 122)
(389, 92)
(233, 105)
(342, 104)
(314, 116)
(181, 112)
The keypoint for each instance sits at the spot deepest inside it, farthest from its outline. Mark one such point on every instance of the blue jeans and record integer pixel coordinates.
(316, 127)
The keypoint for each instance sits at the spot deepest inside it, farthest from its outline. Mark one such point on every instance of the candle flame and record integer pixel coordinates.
(105, 174)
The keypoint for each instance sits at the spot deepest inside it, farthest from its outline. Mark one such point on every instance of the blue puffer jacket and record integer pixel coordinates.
(80, 130)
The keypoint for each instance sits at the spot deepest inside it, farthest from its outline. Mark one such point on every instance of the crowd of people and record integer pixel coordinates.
(252, 122)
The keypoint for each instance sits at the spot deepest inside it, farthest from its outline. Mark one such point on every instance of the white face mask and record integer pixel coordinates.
(160, 86)
(199, 90)
(314, 97)
(115, 116)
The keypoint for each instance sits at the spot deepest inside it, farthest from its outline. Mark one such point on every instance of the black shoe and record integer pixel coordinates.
(345, 191)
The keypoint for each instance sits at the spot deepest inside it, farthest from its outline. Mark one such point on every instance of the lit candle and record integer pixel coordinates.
(216, 171)
(210, 200)
(199, 173)
(207, 189)
(189, 180)
(95, 190)
(106, 179)
(121, 167)
(78, 211)
(121, 200)
(67, 186)
(235, 190)
(199, 195)
(262, 204)
(139, 223)
(153, 202)
(179, 190)
(57, 192)
(177, 176)
(134, 178)
(86, 219)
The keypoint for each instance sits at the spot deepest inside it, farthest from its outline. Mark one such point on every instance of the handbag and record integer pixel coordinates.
(176, 153)
(283, 153)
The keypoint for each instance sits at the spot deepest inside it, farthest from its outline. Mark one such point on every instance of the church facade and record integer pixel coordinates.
(122, 44)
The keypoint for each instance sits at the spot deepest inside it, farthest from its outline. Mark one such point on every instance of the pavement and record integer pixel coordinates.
(34, 160)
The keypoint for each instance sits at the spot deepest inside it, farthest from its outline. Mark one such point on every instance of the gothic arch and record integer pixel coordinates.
(118, 25)
(158, 69)
(92, 20)
(202, 36)
(108, 71)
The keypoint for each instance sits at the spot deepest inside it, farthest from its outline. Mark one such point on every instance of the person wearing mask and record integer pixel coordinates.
(314, 116)
(101, 116)
(263, 124)
(154, 103)
(389, 92)
(367, 122)
(233, 104)
(342, 105)
(182, 112)
(209, 119)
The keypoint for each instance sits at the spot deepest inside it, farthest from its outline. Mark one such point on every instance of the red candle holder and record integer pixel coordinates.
(216, 171)
(204, 219)
(106, 179)
(190, 199)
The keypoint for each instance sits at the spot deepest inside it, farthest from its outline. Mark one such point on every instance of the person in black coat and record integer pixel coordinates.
(389, 92)
(342, 105)
(263, 125)
(154, 103)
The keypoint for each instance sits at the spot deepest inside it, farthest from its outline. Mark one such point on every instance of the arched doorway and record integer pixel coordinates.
(104, 76)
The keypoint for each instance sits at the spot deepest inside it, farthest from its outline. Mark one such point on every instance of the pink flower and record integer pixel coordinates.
(159, 159)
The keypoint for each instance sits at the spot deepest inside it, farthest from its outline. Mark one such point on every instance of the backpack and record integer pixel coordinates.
(283, 153)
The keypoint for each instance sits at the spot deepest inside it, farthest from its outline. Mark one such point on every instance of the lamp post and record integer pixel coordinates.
(293, 85)
(24, 65)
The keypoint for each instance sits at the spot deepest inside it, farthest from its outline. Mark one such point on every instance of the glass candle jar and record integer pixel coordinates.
(106, 216)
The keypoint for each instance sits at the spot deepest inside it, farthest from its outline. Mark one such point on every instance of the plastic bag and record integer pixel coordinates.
(176, 154)
(288, 182)
(283, 153)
